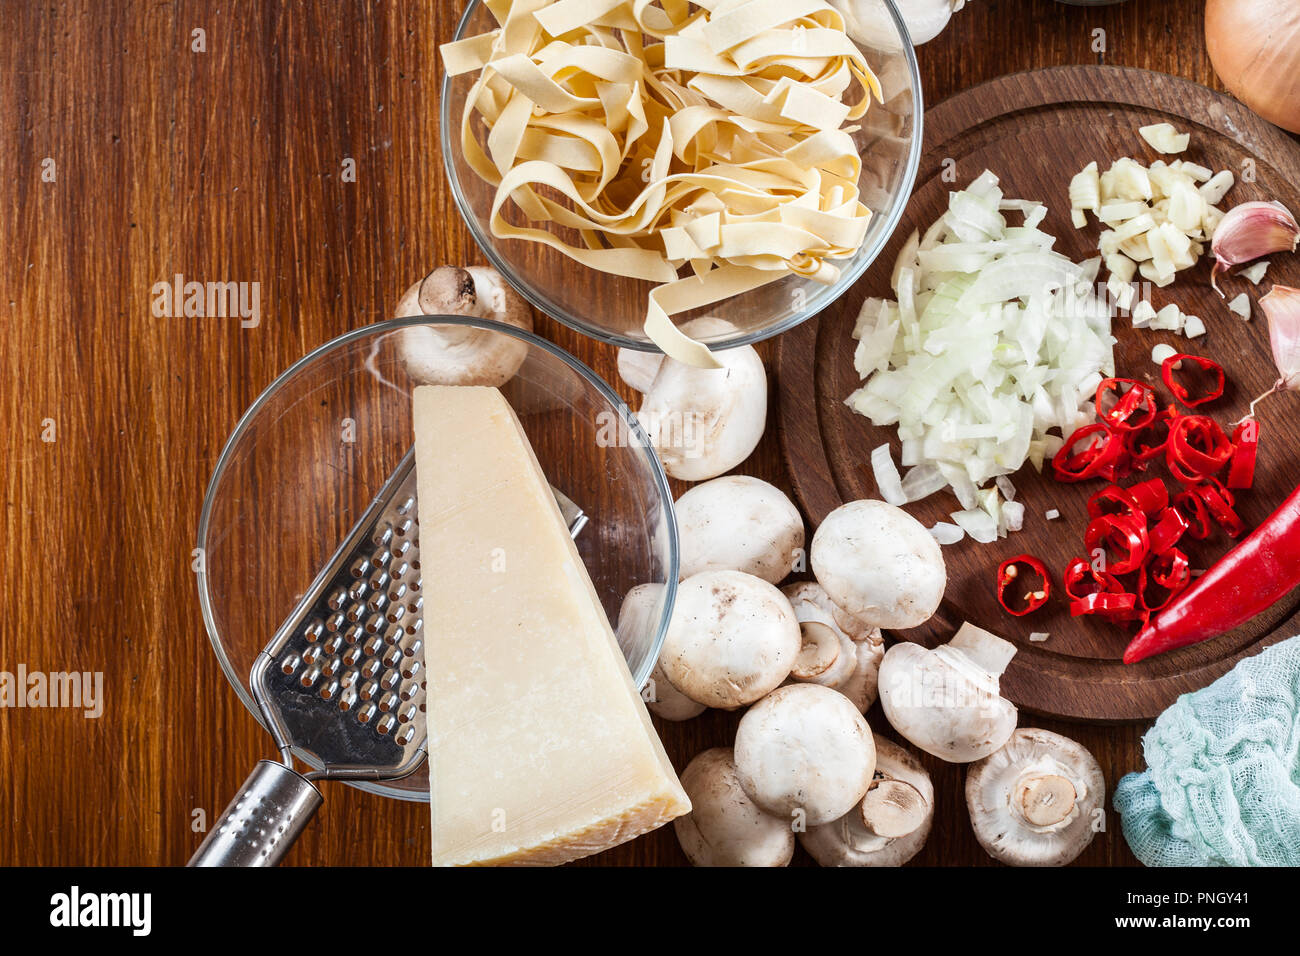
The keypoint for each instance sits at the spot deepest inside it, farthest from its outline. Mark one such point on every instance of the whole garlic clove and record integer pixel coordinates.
(1249, 231)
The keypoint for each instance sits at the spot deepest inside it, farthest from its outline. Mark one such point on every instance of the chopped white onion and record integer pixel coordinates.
(977, 523)
(989, 354)
(1051, 514)
(1013, 515)
(1241, 306)
(1039, 636)
(946, 533)
(887, 477)
(1006, 487)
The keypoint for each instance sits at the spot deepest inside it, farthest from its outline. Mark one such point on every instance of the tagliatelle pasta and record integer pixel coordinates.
(700, 146)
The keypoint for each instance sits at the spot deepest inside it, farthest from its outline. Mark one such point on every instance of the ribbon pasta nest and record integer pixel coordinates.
(703, 146)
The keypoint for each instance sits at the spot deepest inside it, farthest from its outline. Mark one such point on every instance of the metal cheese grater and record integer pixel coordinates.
(340, 679)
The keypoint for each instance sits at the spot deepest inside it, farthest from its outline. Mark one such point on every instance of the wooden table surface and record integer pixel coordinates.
(127, 156)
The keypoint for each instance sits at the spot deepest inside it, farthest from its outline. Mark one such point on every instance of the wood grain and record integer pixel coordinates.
(228, 164)
(1019, 126)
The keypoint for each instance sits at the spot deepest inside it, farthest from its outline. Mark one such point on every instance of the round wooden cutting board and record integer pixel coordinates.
(1035, 131)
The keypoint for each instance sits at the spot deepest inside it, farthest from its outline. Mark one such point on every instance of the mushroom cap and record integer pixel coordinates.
(739, 523)
(879, 564)
(891, 823)
(805, 747)
(463, 355)
(943, 702)
(732, 638)
(1035, 801)
(705, 421)
(724, 827)
(845, 660)
(641, 608)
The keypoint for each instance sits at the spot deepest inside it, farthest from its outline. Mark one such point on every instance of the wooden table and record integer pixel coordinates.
(128, 156)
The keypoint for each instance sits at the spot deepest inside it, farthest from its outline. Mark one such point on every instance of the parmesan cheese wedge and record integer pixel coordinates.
(540, 748)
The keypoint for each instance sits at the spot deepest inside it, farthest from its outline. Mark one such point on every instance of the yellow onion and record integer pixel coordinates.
(1255, 48)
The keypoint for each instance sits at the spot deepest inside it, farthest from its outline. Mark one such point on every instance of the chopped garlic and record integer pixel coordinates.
(1085, 189)
(1039, 636)
(1168, 319)
(1162, 352)
(1193, 327)
(1214, 190)
(1163, 138)
(1241, 306)
(1143, 314)
(1254, 274)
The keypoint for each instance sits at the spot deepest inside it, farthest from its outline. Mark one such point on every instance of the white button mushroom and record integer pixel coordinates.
(724, 827)
(640, 611)
(732, 638)
(738, 523)
(805, 748)
(846, 659)
(462, 355)
(889, 826)
(879, 564)
(1035, 802)
(947, 700)
(702, 421)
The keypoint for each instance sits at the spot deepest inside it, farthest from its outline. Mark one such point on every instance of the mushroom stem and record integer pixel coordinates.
(1045, 799)
(893, 809)
(989, 651)
(818, 653)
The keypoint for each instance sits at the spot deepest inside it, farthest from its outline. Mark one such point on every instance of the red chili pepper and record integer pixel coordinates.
(1126, 535)
(1008, 571)
(1134, 408)
(1169, 528)
(1070, 465)
(1241, 473)
(1249, 579)
(1197, 448)
(1180, 392)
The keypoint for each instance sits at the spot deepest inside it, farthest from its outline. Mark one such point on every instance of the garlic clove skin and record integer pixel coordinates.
(1249, 231)
(1282, 308)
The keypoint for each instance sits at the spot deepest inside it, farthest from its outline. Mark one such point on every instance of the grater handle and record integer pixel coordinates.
(264, 819)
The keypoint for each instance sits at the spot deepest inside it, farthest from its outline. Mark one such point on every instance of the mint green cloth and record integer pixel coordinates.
(1222, 785)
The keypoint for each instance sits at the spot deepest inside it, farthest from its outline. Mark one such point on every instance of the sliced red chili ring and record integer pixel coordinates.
(1241, 473)
(1167, 370)
(1220, 507)
(1114, 500)
(1171, 570)
(1170, 526)
(1151, 495)
(1034, 598)
(1149, 441)
(1070, 465)
(1192, 507)
(1133, 408)
(1118, 606)
(1126, 536)
(1081, 578)
(1197, 448)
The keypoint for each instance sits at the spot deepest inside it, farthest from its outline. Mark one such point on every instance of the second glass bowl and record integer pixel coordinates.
(308, 456)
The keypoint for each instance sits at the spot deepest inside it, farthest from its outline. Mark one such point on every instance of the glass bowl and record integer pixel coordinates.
(611, 308)
(311, 452)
